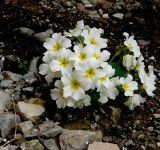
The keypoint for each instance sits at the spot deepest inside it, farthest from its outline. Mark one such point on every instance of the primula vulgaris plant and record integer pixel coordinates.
(79, 61)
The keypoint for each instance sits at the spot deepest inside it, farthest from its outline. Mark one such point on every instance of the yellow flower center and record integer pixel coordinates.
(82, 56)
(96, 56)
(57, 47)
(93, 41)
(126, 86)
(63, 62)
(137, 67)
(90, 73)
(129, 44)
(102, 79)
(75, 84)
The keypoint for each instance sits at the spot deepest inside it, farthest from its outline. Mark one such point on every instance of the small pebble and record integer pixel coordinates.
(158, 144)
(118, 15)
(142, 147)
(106, 16)
(129, 142)
(28, 89)
(141, 136)
(107, 139)
(150, 128)
(88, 5)
(6, 83)
(152, 58)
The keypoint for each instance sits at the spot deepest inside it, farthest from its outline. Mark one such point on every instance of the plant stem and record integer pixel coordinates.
(117, 53)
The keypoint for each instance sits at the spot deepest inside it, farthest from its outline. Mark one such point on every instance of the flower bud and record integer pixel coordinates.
(129, 62)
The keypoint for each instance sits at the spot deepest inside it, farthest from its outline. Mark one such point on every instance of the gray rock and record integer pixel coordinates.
(142, 147)
(43, 35)
(88, 5)
(51, 144)
(6, 83)
(24, 30)
(5, 99)
(103, 146)
(30, 77)
(157, 115)
(129, 142)
(141, 136)
(47, 129)
(85, 2)
(1, 76)
(150, 128)
(12, 76)
(106, 16)
(29, 111)
(118, 15)
(93, 14)
(9, 147)
(68, 3)
(7, 122)
(28, 89)
(107, 139)
(25, 126)
(33, 65)
(32, 145)
(77, 139)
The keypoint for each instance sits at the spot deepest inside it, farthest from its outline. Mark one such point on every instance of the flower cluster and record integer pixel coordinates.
(81, 64)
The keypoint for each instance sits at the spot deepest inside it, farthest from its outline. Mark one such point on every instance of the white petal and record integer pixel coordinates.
(59, 84)
(55, 93)
(128, 93)
(50, 77)
(67, 91)
(103, 99)
(78, 94)
(44, 69)
(54, 65)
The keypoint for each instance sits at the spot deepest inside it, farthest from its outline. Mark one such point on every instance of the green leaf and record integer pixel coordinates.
(25, 62)
(119, 70)
(80, 40)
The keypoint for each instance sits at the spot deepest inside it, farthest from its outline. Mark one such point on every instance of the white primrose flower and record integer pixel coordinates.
(55, 44)
(134, 101)
(104, 75)
(86, 101)
(88, 71)
(93, 37)
(139, 65)
(132, 45)
(57, 94)
(73, 85)
(97, 54)
(148, 81)
(80, 54)
(48, 57)
(62, 63)
(128, 85)
(106, 94)
(44, 69)
(129, 62)
(77, 31)
(110, 93)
